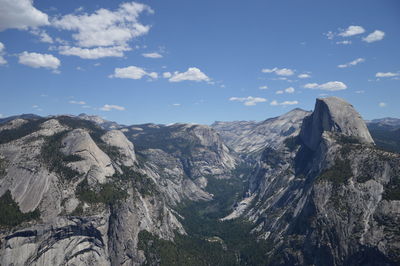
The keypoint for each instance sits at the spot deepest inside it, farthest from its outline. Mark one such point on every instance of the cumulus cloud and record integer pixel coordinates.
(43, 36)
(20, 14)
(77, 102)
(152, 55)
(132, 72)
(37, 60)
(304, 76)
(2, 59)
(94, 53)
(352, 63)
(328, 86)
(110, 30)
(279, 71)
(265, 87)
(248, 101)
(167, 75)
(382, 104)
(285, 103)
(386, 74)
(345, 42)
(351, 31)
(374, 36)
(109, 107)
(192, 74)
(289, 90)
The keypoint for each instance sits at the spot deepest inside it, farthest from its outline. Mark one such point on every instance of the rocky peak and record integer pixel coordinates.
(335, 115)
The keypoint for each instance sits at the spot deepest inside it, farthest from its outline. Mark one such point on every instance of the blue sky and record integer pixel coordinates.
(197, 61)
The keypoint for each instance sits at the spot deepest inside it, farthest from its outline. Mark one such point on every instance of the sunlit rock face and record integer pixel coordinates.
(335, 115)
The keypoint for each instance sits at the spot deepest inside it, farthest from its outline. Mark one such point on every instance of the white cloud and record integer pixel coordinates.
(106, 32)
(94, 53)
(279, 71)
(192, 74)
(248, 101)
(77, 102)
(167, 75)
(360, 92)
(330, 35)
(386, 74)
(352, 63)
(152, 55)
(20, 14)
(109, 107)
(351, 31)
(37, 60)
(304, 76)
(265, 87)
(3, 61)
(382, 104)
(105, 27)
(289, 90)
(132, 72)
(176, 104)
(1, 115)
(345, 42)
(285, 103)
(43, 36)
(328, 86)
(374, 36)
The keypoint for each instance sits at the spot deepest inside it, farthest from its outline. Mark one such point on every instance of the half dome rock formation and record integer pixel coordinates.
(335, 115)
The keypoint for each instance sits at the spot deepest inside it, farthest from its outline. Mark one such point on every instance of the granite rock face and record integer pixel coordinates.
(71, 172)
(250, 138)
(335, 115)
(328, 198)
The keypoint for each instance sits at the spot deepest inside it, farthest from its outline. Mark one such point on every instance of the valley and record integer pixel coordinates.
(304, 188)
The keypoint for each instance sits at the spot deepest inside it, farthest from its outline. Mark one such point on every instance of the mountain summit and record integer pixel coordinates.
(335, 115)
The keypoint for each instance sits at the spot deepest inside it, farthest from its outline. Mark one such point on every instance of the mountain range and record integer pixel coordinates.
(304, 188)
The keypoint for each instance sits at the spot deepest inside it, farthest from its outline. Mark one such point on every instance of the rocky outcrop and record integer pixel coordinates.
(199, 148)
(116, 138)
(62, 241)
(335, 115)
(251, 138)
(95, 163)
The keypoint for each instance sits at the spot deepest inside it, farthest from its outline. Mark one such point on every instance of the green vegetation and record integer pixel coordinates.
(163, 138)
(338, 174)
(11, 215)
(143, 184)
(348, 139)
(108, 193)
(2, 167)
(29, 127)
(78, 210)
(235, 246)
(392, 190)
(56, 160)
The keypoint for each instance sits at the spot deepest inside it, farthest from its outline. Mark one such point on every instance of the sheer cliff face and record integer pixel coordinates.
(334, 115)
(328, 197)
